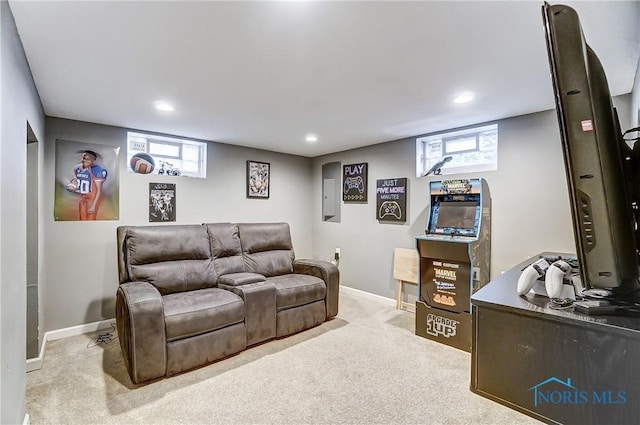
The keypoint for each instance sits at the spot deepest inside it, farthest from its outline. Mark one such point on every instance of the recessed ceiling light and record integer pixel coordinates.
(465, 97)
(163, 106)
(311, 138)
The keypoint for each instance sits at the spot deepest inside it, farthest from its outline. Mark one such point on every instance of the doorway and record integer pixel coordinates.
(33, 337)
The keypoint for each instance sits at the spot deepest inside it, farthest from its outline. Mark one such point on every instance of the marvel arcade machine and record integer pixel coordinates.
(455, 256)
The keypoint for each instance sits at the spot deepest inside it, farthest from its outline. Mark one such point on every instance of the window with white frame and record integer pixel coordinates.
(172, 156)
(469, 150)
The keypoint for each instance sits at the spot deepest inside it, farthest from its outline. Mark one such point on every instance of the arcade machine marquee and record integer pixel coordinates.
(455, 256)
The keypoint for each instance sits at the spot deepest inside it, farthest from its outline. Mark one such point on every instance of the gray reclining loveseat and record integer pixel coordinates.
(193, 294)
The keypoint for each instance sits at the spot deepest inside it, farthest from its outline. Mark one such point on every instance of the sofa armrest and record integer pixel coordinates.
(239, 279)
(329, 273)
(141, 330)
(260, 309)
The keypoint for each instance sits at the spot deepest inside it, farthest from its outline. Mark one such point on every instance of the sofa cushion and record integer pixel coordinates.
(176, 276)
(172, 258)
(204, 310)
(153, 244)
(269, 263)
(267, 248)
(225, 248)
(297, 289)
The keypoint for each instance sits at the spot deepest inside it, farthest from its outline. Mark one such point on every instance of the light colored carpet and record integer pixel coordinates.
(366, 366)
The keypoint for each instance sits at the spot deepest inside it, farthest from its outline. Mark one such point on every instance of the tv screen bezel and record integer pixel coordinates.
(594, 155)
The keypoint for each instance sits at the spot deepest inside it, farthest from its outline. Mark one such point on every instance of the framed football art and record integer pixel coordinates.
(162, 202)
(258, 178)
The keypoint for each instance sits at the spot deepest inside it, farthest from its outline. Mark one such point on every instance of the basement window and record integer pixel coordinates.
(172, 156)
(469, 150)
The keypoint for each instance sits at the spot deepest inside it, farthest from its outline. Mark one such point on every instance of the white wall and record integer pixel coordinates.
(530, 203)
(19, 104)
(83, 291)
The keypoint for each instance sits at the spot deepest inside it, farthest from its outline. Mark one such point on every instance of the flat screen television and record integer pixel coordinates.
(601, 168)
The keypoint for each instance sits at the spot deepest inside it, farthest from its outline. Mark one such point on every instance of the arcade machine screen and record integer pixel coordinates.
(456, 215)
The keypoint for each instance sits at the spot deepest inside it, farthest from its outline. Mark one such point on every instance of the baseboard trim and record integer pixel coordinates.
(369, 295)
(26, 419)
(36, 363)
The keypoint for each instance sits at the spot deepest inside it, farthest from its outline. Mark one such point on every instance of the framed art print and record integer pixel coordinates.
(354, 178)
(391, 200)
(258, 176)
(162, 202)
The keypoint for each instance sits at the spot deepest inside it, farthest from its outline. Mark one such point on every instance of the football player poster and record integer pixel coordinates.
(86, 182)
(162, 202)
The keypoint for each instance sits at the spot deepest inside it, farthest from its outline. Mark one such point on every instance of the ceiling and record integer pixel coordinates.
(265, 74)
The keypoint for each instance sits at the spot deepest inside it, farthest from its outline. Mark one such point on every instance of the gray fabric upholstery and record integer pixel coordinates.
(267, 248)
(293, 290)
(260, 305)
(140, 323)
(329, 273)
(192, 294)
(239, 279)
(172, 258)
(196, 312)
(176, 276)
(152, 244)
(258, 237)
(225, 248)
(188, 353)
(300, 318)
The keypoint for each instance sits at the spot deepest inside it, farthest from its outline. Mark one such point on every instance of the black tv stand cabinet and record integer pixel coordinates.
(557, 366)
